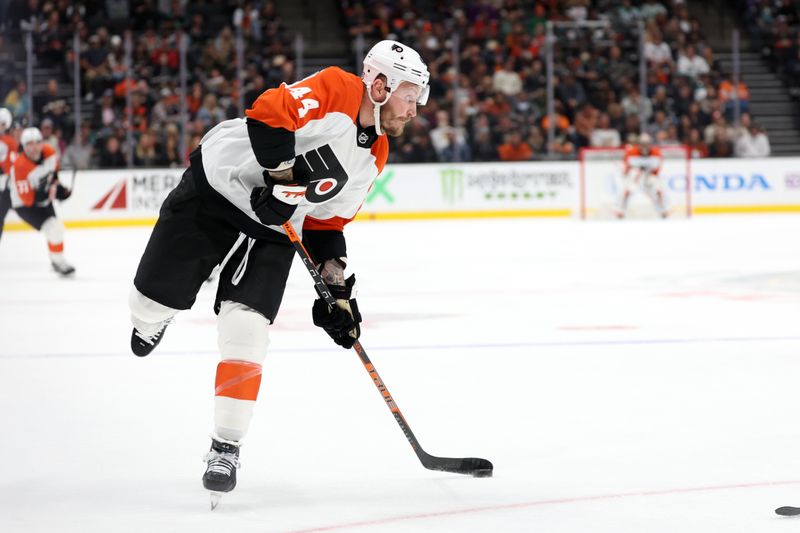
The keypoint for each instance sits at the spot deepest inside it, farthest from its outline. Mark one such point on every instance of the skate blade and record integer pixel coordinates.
(216, 497)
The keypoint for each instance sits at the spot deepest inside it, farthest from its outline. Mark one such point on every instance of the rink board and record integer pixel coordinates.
(423, 191)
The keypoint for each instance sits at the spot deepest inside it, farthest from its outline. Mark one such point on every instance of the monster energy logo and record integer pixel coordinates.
(452, 185)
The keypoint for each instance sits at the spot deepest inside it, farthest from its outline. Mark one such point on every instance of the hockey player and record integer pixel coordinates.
(641, 168)
(8, 151)
(306, 153)
(34, 185)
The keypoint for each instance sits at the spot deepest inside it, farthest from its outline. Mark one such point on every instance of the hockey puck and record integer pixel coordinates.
(484, 472)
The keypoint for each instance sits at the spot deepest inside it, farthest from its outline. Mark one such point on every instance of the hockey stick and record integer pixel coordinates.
(466, 465)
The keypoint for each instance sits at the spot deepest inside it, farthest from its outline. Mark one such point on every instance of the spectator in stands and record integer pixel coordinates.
(659, 124)
(49, 136)
(171, 153)
(211, 113)
(50, 100)
(727, 94)
(166, 110)
(752, 143)
(627, 15)
(690, 64)
(718, 131)
(585, 122)
(652, 9)
(50, 41)
(111, 155)
(146, 153)
(18, 101)
(697, 147)
(194, 100)
(441, 138)
(662, 102)
(507, 80)
(572, 94)
(80, 152)
(254, 90)
(455, 148)
(634, 104)
(94, 64)
(515, 148)
(620, 68)
(656, 51)
(604, 136)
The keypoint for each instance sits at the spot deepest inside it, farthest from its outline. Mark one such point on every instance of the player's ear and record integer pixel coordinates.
(378, 89)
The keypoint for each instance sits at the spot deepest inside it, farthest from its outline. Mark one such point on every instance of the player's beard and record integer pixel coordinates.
(392, 125)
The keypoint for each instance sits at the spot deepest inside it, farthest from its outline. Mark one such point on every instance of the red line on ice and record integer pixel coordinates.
(539, 503)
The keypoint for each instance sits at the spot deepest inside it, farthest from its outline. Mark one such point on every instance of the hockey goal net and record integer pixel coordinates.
(601, 184)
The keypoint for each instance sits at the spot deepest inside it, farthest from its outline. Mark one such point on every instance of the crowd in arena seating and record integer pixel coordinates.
(499, 99)
(491, 105)
(773, 25)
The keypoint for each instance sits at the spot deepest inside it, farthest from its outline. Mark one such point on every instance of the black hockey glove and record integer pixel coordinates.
(62, 193)
(276, 203)
(341, 321)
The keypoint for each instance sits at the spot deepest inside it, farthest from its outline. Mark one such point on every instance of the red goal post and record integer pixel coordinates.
(601, 175)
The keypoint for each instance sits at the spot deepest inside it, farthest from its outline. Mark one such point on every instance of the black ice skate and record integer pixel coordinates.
(63, 268)
(221, 464)
(142, 344)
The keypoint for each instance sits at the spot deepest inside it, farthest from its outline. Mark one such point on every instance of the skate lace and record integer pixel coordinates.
(151, 339)
(221, 462)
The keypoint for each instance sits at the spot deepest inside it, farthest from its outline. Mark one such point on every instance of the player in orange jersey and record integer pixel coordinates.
(642, 165)
(34, 185)
(308, 153)
(8, 151)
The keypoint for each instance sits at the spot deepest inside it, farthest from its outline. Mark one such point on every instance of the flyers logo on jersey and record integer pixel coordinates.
(326, 176)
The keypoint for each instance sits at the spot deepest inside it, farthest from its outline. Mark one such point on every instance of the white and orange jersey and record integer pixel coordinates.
(27, 175)
(341, 158)
(8, 152)
(650, 163)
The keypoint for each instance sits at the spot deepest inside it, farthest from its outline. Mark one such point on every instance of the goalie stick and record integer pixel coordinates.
(472, 466)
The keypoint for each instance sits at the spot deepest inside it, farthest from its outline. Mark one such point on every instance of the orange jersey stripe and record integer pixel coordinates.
(238, 379)
(334, 223)
(380, 149)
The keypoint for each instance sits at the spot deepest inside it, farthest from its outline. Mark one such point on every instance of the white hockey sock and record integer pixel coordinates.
(243, 342)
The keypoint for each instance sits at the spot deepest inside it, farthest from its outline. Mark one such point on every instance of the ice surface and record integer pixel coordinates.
(622, 376)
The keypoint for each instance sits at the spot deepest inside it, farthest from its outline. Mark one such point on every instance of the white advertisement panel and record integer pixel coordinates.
(473, 189)
(745, 184)
(130, 197)
(112, 197)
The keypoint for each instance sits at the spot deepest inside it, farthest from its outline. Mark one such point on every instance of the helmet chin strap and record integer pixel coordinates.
(376, 109)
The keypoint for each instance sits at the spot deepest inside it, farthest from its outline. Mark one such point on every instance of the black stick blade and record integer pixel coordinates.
(470, 466)
(788, 510)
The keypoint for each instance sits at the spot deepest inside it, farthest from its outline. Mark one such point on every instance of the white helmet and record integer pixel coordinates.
(645, 138)
(398, 63)
(5, 118)
(30, 135)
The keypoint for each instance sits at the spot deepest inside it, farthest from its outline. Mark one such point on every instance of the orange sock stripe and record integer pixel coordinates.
(56, 248)
(238, 379)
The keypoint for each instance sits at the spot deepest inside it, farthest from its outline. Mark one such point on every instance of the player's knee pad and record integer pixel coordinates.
(243, 333)
(147, 311)
(53, 230)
